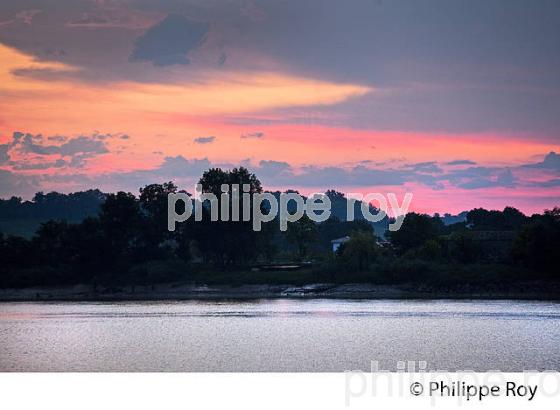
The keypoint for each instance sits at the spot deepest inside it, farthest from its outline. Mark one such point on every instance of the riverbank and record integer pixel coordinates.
(179, 291)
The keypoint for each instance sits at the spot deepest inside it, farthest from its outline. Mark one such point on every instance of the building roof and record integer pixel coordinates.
(341, 240)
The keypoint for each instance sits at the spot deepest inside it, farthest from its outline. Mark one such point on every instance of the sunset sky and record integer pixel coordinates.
(457, 102)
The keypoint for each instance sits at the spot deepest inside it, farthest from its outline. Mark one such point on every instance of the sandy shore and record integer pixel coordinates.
(528, 291)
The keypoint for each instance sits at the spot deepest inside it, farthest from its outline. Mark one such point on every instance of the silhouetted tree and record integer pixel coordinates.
(359, 251)
(537, 244)
(51, 243)
(231, 242)
(415, 231)
(120, 220)
(153, 204)
(507, 220)
(301, 233)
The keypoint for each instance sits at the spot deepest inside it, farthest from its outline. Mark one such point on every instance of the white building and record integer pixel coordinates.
(337, 242)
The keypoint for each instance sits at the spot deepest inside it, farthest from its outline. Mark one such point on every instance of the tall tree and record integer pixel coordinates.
(153, 204)
(301, 233)
(415, 231)
(232, 242)
(120, 221)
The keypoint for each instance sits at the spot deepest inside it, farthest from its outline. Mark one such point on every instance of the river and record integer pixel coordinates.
(280, 335)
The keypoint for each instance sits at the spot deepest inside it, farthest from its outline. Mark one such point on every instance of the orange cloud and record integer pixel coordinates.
(71, 103)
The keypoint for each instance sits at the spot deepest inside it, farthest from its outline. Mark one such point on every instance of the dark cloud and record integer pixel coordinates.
(83, 145)
(185, 172)
(481, 177)
(275, 169)
(13, 184)
(57, 138)
(425, 167)
(461, 162)
(552, 183)
(427, 173)
(356, 176)
(251, 135)
(205, 140)
(27, 166)
(169, 41)
(4, 157)
(34, 154)
(550, 162)
(506, 179)
(182, 167)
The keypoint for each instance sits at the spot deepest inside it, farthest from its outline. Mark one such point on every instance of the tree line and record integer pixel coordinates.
(121, 239)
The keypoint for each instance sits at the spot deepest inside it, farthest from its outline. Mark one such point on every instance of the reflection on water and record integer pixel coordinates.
(279, 335)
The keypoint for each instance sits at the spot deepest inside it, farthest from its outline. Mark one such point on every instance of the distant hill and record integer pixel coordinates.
(22, 218)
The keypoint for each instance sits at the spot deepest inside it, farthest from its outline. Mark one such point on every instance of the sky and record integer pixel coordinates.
(455, 101)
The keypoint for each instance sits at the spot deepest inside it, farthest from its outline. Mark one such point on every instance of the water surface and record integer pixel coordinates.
(279, 335)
